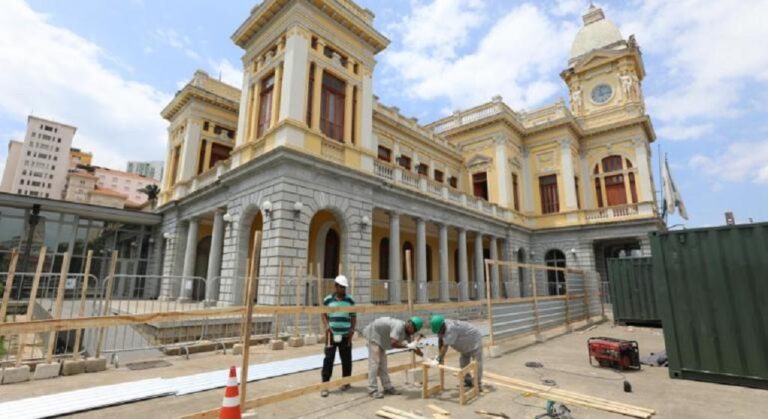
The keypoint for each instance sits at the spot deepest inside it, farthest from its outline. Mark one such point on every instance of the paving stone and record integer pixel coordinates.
(45, 371)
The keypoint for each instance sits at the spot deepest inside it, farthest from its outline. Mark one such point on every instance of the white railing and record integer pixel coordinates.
(332, 151)
(383, 170)
(410, 179)
(454, 195)
(470, 116)
(620, 211)
(434, 188)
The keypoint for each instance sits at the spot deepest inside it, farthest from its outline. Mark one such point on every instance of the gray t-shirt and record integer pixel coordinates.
(383, 329)
(462, 336)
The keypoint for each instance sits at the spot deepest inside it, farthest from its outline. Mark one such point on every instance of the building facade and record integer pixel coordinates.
(79, 158)
(153, 169)
(333, 179)
(123, 183)
(40, 169)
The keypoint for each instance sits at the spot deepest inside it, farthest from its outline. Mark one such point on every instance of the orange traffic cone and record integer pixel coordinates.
(230, 406)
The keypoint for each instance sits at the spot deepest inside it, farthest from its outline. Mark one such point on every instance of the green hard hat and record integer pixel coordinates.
(436, 322)
(417, 322)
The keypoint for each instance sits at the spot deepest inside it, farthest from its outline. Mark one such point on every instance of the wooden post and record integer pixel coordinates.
(107, 299)
(31, 302)
(296, 317)
(320, 303)
(83, 295)
(488, 298)
(408, 274)
(9, 284)
(586, 297)
(250, 287)
(535, 301)
(353, 273)
(278, 302)
(59, 303)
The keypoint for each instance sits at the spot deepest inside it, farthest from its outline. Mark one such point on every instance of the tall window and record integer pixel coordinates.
(385, 154)
(480, 185)
(265, 104)
(405, 162)
(332, 252)
(422, 169)
(175, 163)
(332, 107)
(201, 158)
(578, 197)
(439, 176)
(515, 192)
(614, 180)
(556, 279)
(384, 258)
(219, 152)
(548, 190)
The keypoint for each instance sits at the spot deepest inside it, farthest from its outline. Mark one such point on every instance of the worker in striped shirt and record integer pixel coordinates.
(339, 331)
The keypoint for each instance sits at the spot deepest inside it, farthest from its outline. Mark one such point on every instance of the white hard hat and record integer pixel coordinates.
(342, 280)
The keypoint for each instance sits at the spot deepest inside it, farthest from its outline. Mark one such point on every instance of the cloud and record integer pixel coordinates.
(67, 78)
(681, 132)
(229, 73)
(518, 56)
(173, 39)
(739, 162)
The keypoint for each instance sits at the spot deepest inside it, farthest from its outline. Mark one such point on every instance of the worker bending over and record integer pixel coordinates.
(463, 337)
(382, 334)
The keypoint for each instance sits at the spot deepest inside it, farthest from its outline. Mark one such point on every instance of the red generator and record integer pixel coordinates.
(614, 353)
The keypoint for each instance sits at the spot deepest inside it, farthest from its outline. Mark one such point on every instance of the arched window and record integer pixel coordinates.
(408, 246)
(556, 279)
(331, 259)
(614, 176)
(384, 258)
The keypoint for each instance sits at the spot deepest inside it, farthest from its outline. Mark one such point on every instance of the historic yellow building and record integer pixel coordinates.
(307, 154)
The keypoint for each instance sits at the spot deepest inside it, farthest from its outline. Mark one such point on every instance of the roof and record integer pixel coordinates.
(125, 174)
(83, 175)
(50, 121)
(82, 209)
(205, 89)
(109, 192)
(598, 32)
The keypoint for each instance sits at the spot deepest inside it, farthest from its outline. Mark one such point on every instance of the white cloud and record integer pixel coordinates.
(681, 132)
(741, 161)
(173, 39)
(64, 77)
(519, 56)
(708, 49)
(227, 72)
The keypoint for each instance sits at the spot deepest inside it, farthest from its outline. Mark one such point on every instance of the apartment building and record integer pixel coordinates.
(123, 183)
(153, 169)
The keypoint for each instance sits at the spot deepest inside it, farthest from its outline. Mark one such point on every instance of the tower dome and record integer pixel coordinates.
(598, 32)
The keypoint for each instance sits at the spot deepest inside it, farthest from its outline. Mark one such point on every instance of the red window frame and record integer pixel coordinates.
(265, 104)
(480, 185)
(550, 202)
(332, 101)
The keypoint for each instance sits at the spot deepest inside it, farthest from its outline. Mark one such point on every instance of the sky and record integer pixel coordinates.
(109, 67)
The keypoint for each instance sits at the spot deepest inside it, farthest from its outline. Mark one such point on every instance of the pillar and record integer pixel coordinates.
(348, 111)
(245, 109)
(395, 275)
(495, 288)
(479, 267)
(294, 76)
(190, 254)
(528, 181)
(463, 269)
(214, 259)
(276, 93)
(502, 174)
(643, 178)
(421, 261)
(567, 175)
(317, 96)
(445, 295)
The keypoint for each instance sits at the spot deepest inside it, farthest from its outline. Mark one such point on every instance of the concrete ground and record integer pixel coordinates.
(564, 357)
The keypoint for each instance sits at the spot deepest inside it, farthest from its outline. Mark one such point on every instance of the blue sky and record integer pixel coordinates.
(109, 68)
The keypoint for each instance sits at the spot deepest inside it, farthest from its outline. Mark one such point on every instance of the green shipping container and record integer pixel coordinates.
(712, 292)
(631, 286)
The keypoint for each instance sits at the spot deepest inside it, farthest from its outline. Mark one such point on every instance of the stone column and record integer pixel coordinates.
(317, 96)
(245, 109)
(277, 92)
(348, 111)
(367, 139)
(186, 284)
(214, 259)
(395, 275)
(528, 182)
(643, 178)
(502, 174)
(445, 295)
(567, 174)
(479, 267)
(463, 269)
(421, 261)
(494, 269)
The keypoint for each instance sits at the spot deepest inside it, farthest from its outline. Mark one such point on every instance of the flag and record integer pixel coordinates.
(672, 198)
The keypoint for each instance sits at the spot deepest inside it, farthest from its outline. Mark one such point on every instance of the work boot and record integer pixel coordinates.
(468, 382)
(324, 393)
(376, 395)
(345, 387)
(392, 391)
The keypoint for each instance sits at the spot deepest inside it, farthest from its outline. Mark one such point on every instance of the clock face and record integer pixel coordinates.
(601, 93)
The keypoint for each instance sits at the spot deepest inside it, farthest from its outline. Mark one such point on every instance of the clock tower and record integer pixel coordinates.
(605, 72)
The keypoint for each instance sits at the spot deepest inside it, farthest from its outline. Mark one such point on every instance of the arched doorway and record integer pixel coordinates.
(201, 268)
(257, 224)
(326, 244)
(555, 279)
(384, 258)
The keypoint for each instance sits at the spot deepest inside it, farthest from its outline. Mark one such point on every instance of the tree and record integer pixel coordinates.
(152, 192)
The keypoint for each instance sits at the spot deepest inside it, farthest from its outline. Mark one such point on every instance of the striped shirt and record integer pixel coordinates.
(339, 322)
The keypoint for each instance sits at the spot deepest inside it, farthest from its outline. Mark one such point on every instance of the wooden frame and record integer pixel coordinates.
(426, 390)
(464, 394)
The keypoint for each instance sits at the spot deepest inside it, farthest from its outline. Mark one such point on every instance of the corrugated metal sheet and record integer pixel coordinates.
(632, 295)
(712, 291)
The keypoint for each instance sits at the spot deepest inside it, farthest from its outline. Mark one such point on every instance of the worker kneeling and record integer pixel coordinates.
(463, 337)
(382, 334)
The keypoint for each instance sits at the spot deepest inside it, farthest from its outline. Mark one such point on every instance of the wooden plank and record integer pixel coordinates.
(297, 294)
(536, 324)
(488, 298)
(402, 413)
(293, 393)
(248, 316)
(31, 302)
(279, 301)
(83, 294)
(9, 284)
(107, 299)
(410, 296)
(438, 409)
(59, 305)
